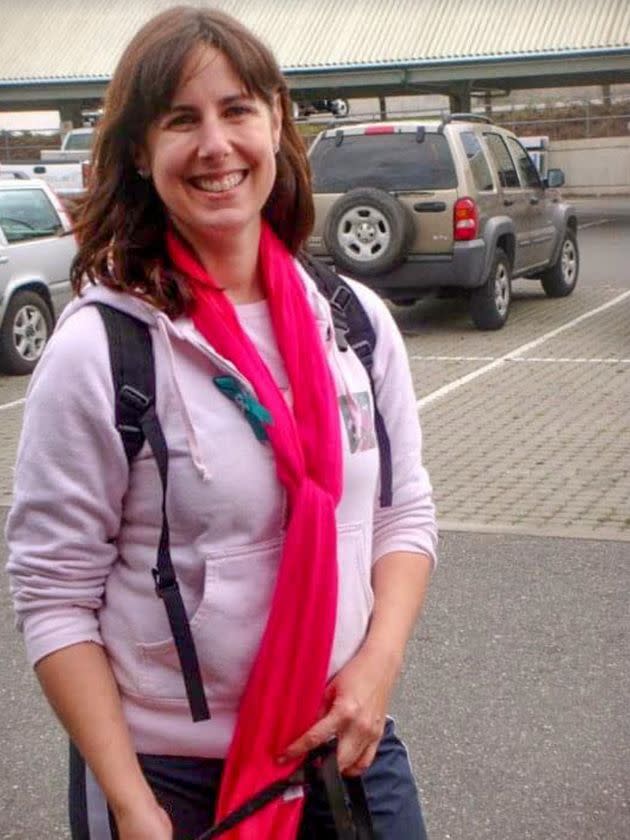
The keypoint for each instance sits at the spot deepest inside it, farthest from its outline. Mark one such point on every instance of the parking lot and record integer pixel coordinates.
(528, 429)
(513, 697)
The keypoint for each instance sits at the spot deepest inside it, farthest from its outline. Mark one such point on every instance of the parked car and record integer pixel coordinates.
(336, 107)
(36, 251)
(456, 204)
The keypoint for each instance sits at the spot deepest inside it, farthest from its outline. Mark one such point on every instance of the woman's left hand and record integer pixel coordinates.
(356, 702)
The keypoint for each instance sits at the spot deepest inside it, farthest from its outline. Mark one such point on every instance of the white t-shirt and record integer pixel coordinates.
(255, 319)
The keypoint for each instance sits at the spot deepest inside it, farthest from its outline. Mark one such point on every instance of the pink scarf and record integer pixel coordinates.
(284, 693)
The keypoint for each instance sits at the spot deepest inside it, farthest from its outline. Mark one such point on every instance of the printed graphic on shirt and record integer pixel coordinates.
(357, 419)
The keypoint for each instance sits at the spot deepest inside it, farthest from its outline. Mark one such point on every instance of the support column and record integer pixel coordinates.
(460, 99)
(70, 112)
(487, 104)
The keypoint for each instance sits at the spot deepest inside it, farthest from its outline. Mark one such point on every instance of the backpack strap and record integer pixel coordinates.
(133, 374)
(353, 328)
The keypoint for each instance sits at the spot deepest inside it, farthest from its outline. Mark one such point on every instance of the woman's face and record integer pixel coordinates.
(211, 155)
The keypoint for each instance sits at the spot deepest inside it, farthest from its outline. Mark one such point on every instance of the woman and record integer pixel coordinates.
(301, 590)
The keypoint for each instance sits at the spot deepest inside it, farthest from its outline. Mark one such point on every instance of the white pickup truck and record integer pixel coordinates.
(66, 170)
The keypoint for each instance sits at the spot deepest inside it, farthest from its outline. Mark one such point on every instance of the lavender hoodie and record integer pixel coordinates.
(84, 528)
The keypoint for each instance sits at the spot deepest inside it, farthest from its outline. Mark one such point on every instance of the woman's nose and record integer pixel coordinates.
(213, 139)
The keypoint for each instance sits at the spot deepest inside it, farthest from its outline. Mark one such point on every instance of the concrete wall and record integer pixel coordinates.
(598, 166)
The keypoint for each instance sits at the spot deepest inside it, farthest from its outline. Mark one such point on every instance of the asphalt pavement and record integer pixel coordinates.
(515, 692)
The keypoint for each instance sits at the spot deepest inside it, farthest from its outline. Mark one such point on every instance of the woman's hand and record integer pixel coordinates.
(144, 823)
(355, 702)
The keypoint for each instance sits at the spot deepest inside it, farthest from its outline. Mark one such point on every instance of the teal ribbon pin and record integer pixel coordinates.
(256, 414)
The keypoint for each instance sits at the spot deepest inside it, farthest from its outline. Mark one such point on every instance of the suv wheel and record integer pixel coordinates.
(340, 107)
(24, 332)
(367, 232)
(560, 279)
(490, 303)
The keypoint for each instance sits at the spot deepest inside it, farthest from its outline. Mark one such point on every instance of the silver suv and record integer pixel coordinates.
(457, 204)
(36, 251)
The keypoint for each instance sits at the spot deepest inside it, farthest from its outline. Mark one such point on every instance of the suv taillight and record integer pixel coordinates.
(465, 220)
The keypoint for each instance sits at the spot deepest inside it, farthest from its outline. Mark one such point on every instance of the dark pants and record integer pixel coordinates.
(187, 788)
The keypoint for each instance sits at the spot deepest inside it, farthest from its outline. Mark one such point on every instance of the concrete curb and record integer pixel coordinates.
(603, 534)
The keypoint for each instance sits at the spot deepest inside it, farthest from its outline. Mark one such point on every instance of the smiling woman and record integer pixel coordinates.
(190, 101)
(283, 518)
(211, 157)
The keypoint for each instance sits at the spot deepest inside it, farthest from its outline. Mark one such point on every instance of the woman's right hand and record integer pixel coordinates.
(144, 823)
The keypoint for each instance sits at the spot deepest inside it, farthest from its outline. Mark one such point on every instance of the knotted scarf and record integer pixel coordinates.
(284, 693)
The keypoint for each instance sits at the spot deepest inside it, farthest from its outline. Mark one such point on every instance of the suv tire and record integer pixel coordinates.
(26, 328)
(367, 232)
(559, 280)
(340, 107)
(490, 303)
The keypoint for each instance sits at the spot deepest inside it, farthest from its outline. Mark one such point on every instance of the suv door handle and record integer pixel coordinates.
(534, 200)
(508, 202)
(4, 260)
(429, 207)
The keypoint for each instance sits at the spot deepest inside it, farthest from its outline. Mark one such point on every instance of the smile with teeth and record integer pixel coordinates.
(219, 184)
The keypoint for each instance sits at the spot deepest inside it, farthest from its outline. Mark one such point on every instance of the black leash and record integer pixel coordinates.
(348, 803)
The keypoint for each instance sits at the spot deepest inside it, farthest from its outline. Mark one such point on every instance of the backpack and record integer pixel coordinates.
(133, 373)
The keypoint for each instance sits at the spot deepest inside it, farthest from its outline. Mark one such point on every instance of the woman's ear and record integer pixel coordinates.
(141, 161)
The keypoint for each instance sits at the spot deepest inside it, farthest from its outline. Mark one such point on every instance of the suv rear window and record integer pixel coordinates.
(388, 161)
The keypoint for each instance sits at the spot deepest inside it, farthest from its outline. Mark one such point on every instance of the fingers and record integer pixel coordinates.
(358, 734)
(322, 731)
(357, 744)
(362, 763)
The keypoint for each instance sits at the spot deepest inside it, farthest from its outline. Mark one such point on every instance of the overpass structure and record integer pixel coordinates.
(60, 54)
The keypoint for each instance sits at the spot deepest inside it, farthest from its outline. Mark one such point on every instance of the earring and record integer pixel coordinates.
(276, 148)
(144, 174)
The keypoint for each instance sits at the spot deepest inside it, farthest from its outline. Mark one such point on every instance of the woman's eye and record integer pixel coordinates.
(180, 120)
(239, 110)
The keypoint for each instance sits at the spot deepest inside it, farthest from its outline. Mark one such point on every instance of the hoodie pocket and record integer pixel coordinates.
(227, 627)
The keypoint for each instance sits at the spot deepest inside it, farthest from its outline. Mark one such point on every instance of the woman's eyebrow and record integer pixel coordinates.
(230, 99)
(236, 97)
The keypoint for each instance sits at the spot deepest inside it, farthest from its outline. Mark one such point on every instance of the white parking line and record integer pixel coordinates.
(418, 358)
(569, 360)
(561, 360)
(12, 404)
(595, 223)
(434, 396)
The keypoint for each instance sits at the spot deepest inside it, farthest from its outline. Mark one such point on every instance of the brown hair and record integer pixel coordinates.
(121, 220)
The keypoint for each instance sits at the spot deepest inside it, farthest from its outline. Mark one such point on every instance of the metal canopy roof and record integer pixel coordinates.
(69, 48)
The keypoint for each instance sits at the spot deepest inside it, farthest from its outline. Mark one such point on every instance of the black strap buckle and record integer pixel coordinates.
(363, 349)
(340, 298)
(164, 585)
(134, 399)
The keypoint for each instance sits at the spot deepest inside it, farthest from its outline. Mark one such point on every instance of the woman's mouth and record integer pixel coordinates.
(219, 183)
